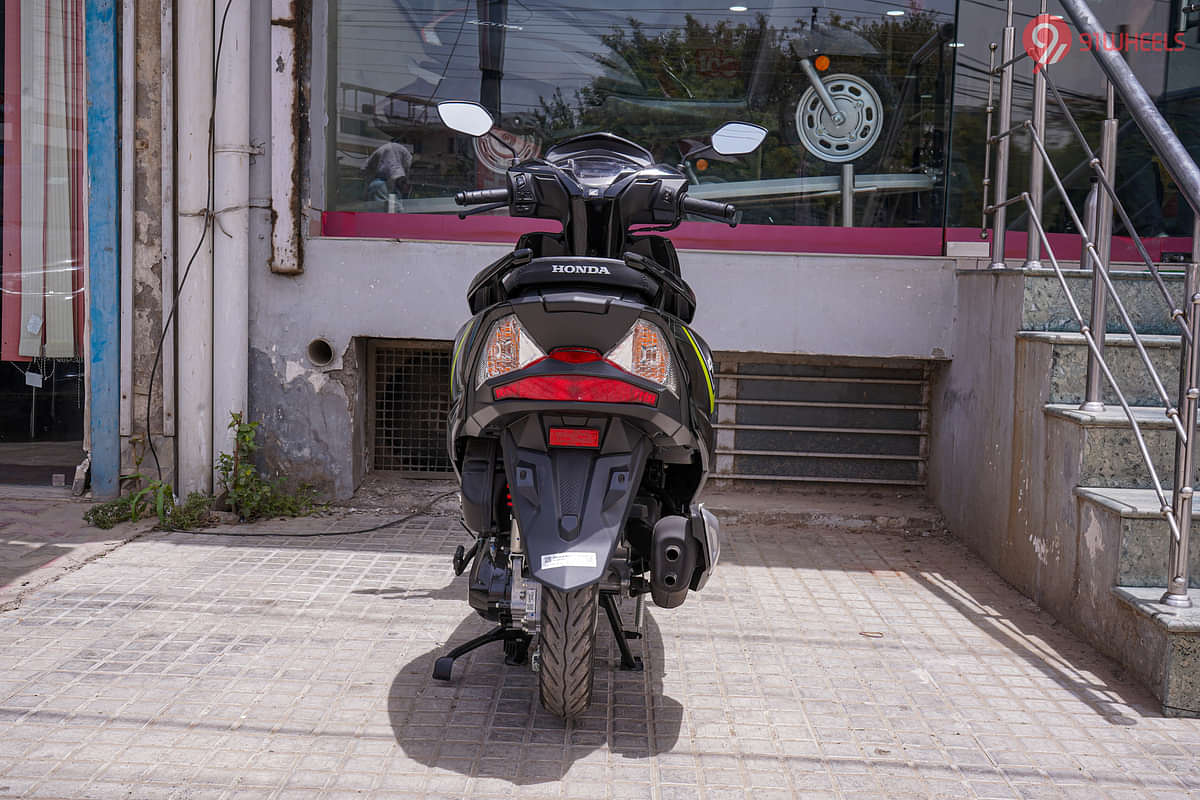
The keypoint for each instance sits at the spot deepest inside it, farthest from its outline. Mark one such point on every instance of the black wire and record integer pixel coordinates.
(313, 534)
(208, 220)
(462, 23)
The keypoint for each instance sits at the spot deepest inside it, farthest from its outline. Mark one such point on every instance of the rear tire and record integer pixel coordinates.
(568, 641)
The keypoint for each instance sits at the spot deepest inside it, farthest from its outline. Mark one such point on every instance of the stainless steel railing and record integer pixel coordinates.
(1096, 250)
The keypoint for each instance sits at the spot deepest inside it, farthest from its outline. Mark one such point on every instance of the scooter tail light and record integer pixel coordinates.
(508, 348)
(577, 388)
(644, 352)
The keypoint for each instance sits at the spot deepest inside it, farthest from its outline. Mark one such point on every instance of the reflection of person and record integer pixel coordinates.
(386, 171)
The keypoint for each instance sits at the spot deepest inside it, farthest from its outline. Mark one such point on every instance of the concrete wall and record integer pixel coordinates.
(972, 407)
(354, 289)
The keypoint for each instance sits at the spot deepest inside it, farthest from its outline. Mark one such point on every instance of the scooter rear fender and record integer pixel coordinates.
(571, 503)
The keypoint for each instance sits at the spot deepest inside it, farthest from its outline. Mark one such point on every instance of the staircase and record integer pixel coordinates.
(1057, 499)
(1073, 502)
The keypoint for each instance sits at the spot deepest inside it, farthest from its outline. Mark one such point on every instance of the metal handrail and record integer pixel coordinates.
(1096, 252)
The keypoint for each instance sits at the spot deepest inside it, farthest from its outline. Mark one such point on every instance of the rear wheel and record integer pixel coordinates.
(568, 640)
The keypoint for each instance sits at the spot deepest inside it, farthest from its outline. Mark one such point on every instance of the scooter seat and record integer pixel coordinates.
(579, 272)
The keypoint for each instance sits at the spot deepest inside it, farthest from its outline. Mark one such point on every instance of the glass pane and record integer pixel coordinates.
(42, 168)
(1160, 42)
(665, 76)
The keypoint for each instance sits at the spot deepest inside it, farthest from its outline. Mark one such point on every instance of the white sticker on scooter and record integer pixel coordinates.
(569, 560)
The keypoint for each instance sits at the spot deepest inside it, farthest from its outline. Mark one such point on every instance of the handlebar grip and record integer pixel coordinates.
(481, 196)
(708, 208)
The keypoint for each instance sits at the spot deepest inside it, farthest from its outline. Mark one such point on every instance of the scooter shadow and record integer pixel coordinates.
(487, 721)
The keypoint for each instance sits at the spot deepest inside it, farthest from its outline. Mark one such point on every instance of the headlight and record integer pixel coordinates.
(644, 352)
(507, 348)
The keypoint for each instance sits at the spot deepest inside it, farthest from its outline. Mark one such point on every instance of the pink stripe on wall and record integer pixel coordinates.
(689, 235)
(1067, 246)
(10, 280)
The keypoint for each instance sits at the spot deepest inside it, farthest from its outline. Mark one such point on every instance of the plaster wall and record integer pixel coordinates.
(354, 289)
(972, 408)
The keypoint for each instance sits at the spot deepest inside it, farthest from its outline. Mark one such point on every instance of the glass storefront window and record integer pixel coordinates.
(664, 75)
(42, 168)
(1160, 41)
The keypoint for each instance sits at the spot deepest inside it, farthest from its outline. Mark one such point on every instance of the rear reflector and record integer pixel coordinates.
(579, 388)
(574, 437)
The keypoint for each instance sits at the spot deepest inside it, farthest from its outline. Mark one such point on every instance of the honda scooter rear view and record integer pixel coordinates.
(581, 417)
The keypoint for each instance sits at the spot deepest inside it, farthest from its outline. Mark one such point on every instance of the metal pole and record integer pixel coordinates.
(1000, 216)
(1101, 225)
(1033, 245)
(847, 195)
(987, 150)
(1183, 170)
(1185, 451)
(1088, 234)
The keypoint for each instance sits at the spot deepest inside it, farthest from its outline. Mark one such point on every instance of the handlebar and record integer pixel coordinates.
(481, 196)
(707, 208)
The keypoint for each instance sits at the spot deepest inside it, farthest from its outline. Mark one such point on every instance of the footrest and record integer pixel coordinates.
(442, 668)
(635, 666)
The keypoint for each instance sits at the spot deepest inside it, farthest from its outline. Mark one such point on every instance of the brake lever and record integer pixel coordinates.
(480, 209)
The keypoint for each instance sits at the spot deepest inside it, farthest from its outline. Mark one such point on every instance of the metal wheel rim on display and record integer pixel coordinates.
(828, 141)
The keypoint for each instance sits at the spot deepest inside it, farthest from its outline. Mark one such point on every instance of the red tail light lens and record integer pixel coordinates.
(578, 388)
(575, 355)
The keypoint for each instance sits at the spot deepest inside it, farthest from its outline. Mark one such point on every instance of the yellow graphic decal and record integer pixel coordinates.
(712, 400)
(458, 349)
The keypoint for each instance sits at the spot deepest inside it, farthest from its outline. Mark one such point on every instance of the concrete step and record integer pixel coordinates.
(1135, 520)
(1170, 647)
(1121, 574)
(1108, 452)
(848, 508)
(1045, 306)
(1065, 357)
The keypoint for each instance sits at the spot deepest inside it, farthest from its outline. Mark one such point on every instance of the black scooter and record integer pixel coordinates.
(581, 417)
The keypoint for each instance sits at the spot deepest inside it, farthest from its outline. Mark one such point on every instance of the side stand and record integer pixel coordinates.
(516, 643)
(628, 661)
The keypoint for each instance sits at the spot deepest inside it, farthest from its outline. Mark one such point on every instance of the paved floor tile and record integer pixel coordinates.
(817, 663)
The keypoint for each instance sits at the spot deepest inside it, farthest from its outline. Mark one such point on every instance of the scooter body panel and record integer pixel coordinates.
(570, 504)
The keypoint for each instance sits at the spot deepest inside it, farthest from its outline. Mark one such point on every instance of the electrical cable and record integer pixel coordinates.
(315, 534)
(210, 199)
(461, 24)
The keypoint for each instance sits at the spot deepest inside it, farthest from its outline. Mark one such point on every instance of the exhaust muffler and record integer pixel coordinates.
(673, 552)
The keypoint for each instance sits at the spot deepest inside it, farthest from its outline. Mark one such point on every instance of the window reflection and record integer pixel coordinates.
(1171, 78)
(850, 84)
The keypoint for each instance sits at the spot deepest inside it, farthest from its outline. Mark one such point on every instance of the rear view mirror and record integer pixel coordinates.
(465, 117)
(737, 138)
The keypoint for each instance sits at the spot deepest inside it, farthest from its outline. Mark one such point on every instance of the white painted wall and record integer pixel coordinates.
(762, 302)
(313, 416)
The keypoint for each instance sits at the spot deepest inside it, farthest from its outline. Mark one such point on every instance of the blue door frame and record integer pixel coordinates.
(104, 316)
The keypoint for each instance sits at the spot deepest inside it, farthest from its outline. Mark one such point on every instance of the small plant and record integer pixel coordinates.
(150, 498)
(195, 512)
(249, 494)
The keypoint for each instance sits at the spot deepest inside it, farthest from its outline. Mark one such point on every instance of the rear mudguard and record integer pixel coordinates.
(571, 503)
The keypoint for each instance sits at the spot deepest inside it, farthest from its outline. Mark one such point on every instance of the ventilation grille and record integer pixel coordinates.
(410, 398)
(828, 423)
